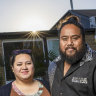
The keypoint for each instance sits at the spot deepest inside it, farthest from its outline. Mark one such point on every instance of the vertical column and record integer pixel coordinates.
(46, 51)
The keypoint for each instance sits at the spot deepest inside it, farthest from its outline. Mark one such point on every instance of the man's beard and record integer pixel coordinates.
(73, 58)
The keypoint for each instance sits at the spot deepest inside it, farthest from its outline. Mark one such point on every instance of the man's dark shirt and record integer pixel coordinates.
(78, 81)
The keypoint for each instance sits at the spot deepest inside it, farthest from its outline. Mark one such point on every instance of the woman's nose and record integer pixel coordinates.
(24, 66)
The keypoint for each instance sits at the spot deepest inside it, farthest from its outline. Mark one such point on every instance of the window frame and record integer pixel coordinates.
(16, 40)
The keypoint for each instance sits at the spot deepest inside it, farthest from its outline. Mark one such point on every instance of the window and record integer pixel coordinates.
(38, 52)
(53, 48)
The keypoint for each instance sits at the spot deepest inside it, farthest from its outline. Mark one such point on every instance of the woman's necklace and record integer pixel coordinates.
(38, 93)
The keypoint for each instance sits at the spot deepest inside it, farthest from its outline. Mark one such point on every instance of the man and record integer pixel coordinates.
(73, 73)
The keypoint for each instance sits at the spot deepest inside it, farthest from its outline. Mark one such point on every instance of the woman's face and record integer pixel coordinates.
(23, 67)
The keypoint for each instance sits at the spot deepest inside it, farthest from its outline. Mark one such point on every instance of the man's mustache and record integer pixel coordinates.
(70, 48)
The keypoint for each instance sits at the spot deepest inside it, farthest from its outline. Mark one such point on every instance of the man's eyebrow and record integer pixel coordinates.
(71, 36)
(75, 35)
(64, 36)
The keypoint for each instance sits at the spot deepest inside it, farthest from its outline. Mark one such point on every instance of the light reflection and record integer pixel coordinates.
(35, 35)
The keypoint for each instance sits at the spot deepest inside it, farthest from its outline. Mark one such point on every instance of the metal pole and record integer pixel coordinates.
(71, 3)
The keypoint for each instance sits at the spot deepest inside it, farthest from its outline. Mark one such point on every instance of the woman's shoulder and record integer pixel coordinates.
(45, 83)
(6, 86)
(46, 89)
(5, 89)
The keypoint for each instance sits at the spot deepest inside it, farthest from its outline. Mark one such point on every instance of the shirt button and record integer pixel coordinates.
(61, 94)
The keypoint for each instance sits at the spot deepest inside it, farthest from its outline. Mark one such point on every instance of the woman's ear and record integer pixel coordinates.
(12, 69)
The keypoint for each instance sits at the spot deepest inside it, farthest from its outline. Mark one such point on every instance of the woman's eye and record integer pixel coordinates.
(19, 64)
(28, 62)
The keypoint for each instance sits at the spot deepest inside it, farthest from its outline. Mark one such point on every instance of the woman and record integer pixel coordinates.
(22, 64)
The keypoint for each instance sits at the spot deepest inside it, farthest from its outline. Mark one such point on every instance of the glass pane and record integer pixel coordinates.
(53, 48)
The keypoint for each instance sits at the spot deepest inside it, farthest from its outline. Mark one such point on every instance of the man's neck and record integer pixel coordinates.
(66, 67)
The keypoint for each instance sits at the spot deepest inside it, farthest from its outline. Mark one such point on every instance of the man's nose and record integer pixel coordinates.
(70, 41)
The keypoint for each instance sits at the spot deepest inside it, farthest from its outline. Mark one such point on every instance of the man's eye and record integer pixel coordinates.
(75, 38)
(64, 39)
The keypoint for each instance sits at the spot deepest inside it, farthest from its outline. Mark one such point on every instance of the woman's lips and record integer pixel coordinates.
(24, 72)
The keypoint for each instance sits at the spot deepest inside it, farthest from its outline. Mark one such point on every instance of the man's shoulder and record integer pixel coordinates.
(92, 61)
(94, 55)
(53, 64)
(57, 59)
(94, 52)
(52, 68)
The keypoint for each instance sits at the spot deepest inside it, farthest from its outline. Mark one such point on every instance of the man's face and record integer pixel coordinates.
(71, 42)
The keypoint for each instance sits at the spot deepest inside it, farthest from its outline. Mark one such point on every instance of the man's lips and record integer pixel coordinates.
(70, 48)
